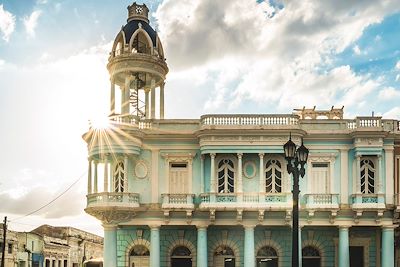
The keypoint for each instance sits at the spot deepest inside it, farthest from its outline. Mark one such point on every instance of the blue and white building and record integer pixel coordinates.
(215, 191)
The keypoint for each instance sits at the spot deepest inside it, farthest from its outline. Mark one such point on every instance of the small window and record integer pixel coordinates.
(319, 165)
(178, 165)
(10, 248)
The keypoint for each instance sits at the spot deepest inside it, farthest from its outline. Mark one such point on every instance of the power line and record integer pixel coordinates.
(54, 199)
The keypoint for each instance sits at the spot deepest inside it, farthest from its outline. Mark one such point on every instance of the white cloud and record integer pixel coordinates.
(389, 93)
(7, 23)
(284, 59)
(31, 22)
(393, 113)
(398, 65)
(357, 50)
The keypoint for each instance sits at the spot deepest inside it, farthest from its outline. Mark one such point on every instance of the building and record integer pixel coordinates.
(51, 246)
(215, 191)
(11, 246)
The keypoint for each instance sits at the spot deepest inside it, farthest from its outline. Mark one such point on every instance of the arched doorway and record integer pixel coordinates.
(311, 257)
(224, 257)
(181, 256)
(267, 257)
(139, 256)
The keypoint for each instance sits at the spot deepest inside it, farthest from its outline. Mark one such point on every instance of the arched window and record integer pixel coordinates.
(181, 257)
(140, 44)
(267, 257)
(139, 256)
(224, 256)
(310, 257)
(119, 176)
(226, 176)
(367, 175)
(273, 176)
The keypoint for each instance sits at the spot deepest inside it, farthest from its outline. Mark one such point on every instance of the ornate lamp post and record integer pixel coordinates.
(295, 158)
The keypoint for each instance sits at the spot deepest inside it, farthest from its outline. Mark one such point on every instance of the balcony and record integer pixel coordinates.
(177, 201)
(246, 201)
(113, 199)
(322, 201)
(368, 201)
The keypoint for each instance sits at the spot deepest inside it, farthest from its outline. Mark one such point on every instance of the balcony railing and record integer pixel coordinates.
(322, 201)
(113, 199)
(177, 201)
(368, 201)
(365, 122)
(248, 201)
(242, 119)
(131, 120)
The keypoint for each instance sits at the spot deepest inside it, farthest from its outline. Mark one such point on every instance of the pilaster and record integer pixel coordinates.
(110, 245)
(202, 246)
(344, 176)
(154, 246)
(240, 173)
(262, 173)
(344, 247)
(387, 258)
(212, 175)
(249, 254)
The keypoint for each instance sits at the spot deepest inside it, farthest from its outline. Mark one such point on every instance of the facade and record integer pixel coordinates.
(11, 247)
(49, 246)
(215, 191)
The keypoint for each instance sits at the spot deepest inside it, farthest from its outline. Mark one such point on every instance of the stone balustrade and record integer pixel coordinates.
(270, 119)
(113, 199)
(322, 201)
(177, 201)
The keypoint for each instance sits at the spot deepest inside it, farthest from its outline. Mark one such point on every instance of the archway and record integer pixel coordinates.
(267, 257)
(181, 256)
(224, 257)
(139, 256)
(311, 257)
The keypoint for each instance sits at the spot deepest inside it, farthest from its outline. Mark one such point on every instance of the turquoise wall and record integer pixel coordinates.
(125, 239)
(141, 186)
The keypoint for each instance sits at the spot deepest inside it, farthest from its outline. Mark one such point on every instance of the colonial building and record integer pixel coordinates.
(215, 191)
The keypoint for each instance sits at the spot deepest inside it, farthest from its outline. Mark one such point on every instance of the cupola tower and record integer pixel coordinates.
(137, 69)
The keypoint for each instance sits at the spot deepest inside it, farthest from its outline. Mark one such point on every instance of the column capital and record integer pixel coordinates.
(212, 155)
(201, 226)
(239, 155)
(89, 158)
(261, 155)
(249, 226)
(344, 227)
(202, 156)
(155, 226)
(109, 226)
(389, 227)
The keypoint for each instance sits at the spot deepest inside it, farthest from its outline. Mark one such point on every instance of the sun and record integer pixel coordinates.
(100, 122)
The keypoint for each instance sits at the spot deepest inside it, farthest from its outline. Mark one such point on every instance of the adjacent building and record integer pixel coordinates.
(215, 191)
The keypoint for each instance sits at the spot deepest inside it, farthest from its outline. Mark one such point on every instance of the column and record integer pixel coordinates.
(112, 97)
(389, 177)
(358, 174)
(202, 246)
(344, 176)
(344, 246)
(110, 245)
(387, 246)
(249, 254)
(95, 176)
(201, 173)
(126, 174)
(126, 92)
(106, 189)
(146, 101)
(89, 176)
(262, 173)
(240, 173)
(162, 100)
(380, 174)
(154, 246)
(212, 174)
(153, 98)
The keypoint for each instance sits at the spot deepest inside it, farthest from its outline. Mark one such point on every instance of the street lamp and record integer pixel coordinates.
(295, 158)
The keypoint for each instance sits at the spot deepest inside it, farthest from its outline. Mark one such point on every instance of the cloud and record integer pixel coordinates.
(389, 93)
(282, 57)
(31, 22)
(357, 50)
(7, 23)
(393, 113)
(398, 65)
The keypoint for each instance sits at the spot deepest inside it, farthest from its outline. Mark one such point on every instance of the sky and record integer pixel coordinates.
(226, 56)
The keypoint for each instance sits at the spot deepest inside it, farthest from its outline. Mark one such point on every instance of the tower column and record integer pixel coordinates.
(89, 175)
(387, 256)
(202, 246)
(106, 174)
(162, 100)
(240, 173)
(212, 174)
(110, 245)
(153, 98)
(202, 173)
(154, 246)
(344, 253)
(96, 188)
(112, 97)
(262, 177)
(126, 95)
(126, 174)
(146, 101)
(249, 254)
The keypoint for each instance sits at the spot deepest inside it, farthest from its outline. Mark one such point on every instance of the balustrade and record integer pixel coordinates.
(177, 201)
(322, 201)
(274, 119)
(113, 199)
(368, 201)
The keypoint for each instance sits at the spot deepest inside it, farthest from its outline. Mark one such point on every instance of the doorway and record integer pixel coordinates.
(181, 256)
(356, 256)
(224, 257)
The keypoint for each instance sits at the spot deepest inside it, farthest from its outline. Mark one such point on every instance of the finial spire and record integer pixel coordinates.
(138, 12)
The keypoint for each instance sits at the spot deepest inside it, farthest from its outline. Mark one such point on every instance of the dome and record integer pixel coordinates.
(132, 26)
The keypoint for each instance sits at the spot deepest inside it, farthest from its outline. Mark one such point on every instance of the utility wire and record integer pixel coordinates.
(51, 201)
